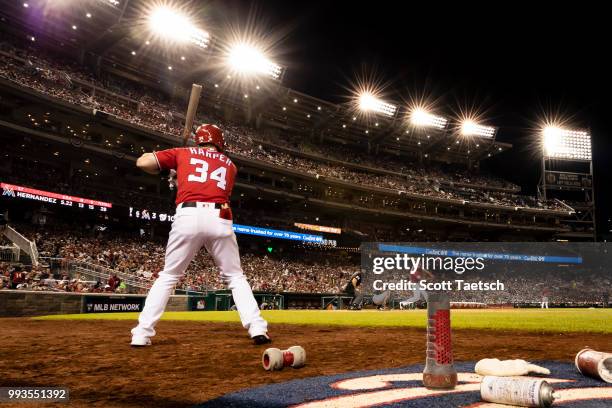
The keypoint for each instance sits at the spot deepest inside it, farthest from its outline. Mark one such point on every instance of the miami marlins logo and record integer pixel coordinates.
(8, 192)
(403, 388)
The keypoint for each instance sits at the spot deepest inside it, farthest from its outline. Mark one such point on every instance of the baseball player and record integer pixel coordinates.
(544, 303)
(205, 178)
(417, 293)
(353, 289)
(381, 300)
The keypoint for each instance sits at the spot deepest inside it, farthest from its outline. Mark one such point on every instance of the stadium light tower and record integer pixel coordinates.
(246, 59)
(567, 174)
(470, 128)
(175, 26)
(566, 144)
(420, 117)
(370, 103)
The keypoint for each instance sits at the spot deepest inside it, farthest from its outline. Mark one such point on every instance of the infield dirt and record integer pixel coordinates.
(191, 362)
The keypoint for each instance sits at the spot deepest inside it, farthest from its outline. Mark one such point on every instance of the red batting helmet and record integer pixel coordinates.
(209, 134)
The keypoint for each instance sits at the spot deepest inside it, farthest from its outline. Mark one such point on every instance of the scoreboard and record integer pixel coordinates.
(27, 193)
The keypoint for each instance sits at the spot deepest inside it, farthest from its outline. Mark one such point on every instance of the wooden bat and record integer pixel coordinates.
(194, 99)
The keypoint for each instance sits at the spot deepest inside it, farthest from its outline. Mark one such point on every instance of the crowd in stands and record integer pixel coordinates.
(139, 260)
(522, 287)
(42, 278)
(33, 68)
(242, 143)
(390, 163)
(134, 262)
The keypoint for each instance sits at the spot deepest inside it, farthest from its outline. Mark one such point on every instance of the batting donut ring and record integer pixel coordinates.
(276, 359)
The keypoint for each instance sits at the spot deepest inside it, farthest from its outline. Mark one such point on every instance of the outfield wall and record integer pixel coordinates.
(15, 303)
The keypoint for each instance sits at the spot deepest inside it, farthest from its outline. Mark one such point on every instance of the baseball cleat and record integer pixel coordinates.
(262, 339)
(140, 341)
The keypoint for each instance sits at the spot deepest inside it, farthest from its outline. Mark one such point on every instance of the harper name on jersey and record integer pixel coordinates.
(210, 154)
(202, 174)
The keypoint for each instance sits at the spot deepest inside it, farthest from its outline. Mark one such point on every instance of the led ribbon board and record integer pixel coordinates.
(14, 191)
(272, 233)
(319, 228)
(485, 255)
(148, 215)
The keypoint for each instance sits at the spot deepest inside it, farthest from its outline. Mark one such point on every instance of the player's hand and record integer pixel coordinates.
(172, 183)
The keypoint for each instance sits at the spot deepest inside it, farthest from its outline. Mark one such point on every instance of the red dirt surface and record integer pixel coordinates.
(191, 362)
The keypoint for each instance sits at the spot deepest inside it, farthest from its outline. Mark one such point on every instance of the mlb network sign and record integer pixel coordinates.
(112, 304)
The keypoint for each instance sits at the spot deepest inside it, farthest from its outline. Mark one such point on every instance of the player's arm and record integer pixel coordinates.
(148, 163)
(154, 163)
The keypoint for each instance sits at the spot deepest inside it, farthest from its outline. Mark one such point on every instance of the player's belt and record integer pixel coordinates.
(199, 204)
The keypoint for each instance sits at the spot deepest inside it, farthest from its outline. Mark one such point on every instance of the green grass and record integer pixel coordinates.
(552, 320)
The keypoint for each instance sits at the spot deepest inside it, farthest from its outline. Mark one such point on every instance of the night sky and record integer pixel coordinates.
(514, 62)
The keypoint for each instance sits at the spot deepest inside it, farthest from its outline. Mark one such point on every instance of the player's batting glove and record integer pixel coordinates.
(506, 368)
(172, 180)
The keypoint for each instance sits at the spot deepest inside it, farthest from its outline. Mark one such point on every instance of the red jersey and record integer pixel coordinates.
(201, 174)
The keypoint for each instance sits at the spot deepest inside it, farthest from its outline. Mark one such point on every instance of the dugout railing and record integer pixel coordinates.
(24, 244)
(98, 271)
(336, 302)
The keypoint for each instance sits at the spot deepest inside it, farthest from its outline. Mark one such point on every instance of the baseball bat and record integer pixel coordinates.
(194, 99)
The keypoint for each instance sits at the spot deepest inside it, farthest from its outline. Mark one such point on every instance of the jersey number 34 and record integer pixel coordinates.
(202, 175)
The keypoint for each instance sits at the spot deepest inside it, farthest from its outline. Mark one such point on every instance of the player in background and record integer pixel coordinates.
(205, 178)
(417, 293)
(353, 288)
(381, 300)
(544, 303)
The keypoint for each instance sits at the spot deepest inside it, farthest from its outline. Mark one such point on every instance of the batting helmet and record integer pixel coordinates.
(209, 134)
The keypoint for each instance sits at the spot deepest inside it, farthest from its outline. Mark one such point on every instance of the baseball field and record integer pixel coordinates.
(197, 356)
(551, 320)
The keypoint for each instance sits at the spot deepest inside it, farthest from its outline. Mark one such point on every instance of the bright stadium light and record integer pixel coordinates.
(175, 26)
(421, 118)
(248, 60)
(566, 144)
(471, 128)
(370, 103)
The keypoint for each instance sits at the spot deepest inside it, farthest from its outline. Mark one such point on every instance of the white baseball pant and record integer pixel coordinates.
(417, 293)
(193, 228)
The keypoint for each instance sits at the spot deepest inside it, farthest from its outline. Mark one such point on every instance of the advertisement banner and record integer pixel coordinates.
(112, 304)
(272, 233)
(568, 180)
(319, 228)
